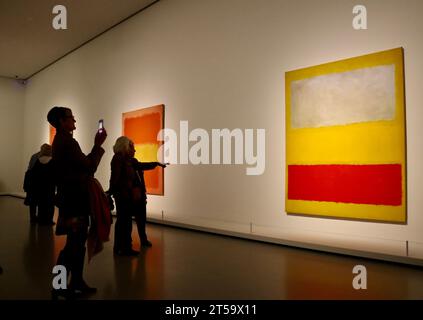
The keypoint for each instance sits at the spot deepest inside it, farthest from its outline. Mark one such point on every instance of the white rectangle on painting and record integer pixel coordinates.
(360, 95)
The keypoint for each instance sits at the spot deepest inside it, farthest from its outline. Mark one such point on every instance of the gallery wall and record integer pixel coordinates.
(11, 134)
(221, 64)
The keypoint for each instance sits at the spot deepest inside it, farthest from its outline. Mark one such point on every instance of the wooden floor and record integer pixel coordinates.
(186, 264)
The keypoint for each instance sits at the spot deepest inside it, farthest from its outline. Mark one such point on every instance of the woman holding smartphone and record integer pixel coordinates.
(73, 169)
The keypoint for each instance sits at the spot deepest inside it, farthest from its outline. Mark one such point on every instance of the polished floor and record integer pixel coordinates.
(186, 264)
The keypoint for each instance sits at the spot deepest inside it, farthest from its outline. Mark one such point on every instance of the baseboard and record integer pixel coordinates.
(296, 244)
(13, 194)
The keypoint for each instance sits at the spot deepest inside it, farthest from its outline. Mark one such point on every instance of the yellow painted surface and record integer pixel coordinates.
(146, 152)
(377, 142)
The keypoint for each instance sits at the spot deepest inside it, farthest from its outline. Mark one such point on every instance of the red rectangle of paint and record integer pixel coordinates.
(360, 184)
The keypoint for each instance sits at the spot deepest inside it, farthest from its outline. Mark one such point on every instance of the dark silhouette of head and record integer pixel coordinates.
(58, 116)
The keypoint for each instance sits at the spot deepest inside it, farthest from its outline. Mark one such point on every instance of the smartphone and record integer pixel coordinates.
(100, 125)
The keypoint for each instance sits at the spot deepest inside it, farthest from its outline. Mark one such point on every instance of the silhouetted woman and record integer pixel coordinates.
(30, 183)
(44, 186)
(128, 188)
(73, 170)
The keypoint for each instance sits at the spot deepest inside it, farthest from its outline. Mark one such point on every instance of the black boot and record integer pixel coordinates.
(77, 283)
(140, 220)
(63, 259)
(67, 294)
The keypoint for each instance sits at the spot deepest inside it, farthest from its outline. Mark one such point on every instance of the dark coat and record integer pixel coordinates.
(39, 183)
(127, 174)
(29, 185)
(43, 182)
(73, 169)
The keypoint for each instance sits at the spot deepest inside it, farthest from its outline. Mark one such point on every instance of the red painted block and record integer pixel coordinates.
(361, 184)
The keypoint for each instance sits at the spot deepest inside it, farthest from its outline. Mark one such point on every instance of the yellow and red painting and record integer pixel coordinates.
(142, 127)
(345, 139)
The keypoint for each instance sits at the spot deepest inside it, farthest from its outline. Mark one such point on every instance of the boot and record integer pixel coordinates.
(67, 294)
(63, 259)
(146, 243)
(77, 283)
(141, 231)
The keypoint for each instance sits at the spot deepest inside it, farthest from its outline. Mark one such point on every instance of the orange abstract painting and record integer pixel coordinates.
(52, 133)
(142, 127)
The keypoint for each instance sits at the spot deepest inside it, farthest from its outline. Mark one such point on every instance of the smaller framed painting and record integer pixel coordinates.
(142, 127)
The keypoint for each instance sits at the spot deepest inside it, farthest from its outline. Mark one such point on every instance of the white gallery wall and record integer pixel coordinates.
(11, 134)
(221, 64)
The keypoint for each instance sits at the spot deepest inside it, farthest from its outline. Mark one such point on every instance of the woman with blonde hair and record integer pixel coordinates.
(127, 186)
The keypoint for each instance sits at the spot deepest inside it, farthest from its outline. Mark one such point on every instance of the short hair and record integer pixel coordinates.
(45, 150)
(122, 145)
(56, 114)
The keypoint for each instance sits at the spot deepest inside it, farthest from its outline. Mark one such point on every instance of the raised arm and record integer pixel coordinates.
(87, 163)
(90, 162)
(146, 165)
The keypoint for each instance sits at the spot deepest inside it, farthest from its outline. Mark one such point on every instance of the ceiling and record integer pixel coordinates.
(29, 43)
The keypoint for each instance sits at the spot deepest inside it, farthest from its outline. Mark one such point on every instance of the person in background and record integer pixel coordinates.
(73, 170)
(29, 186)
(44, 186)
(128, 189)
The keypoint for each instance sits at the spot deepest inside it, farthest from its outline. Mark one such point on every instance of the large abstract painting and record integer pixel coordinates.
(345, 139)
(142, 127)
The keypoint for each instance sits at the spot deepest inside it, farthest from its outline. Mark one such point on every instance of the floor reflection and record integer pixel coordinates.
(38, 254)
(140, 277)
(192, 265)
